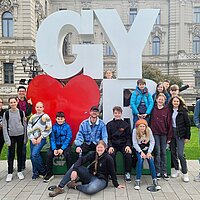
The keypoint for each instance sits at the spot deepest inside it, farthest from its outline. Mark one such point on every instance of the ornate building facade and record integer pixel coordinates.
(173, 45)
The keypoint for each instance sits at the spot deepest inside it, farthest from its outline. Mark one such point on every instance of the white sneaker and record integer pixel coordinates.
(185, 178)
(175, 174)
(20, 175)
(9, 178)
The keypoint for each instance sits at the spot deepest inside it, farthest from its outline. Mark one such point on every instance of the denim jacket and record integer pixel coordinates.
(197, 114)
(89, 133)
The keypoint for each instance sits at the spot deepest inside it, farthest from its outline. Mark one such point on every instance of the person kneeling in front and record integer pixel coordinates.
(93, 178)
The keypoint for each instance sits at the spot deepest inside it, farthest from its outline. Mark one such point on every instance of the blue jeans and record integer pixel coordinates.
(91, 184)
(140, 167)
(160, 153)
(36, 159)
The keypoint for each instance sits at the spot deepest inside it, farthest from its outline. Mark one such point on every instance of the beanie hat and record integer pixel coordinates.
(141, 121)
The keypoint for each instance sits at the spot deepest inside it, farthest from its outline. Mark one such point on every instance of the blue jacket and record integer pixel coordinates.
(61, 135)
(197, 114)
(136, 98)
(89, 133)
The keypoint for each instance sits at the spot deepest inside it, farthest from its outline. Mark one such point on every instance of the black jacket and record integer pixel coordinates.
(105, 166)
(1, 118)
(183, 124)
(119, 133)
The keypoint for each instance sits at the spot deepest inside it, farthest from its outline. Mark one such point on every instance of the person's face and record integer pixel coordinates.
(175, 102)
(160, 101)
(141, 86)
(142, 128)
(117, 114)
(13, 103)
(108, 75)
(94, 113)
(1, 103)
(60, 120)
(21, 93)
(166, 85)
(160, 88)
(39, 108)
(174, 92)
(100, 149)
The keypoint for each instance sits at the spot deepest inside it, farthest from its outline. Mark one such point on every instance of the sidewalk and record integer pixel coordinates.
(37, 190)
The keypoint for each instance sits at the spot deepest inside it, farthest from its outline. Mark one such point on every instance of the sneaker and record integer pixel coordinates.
(34, 177)
(166, 177)
(48, 177)
(56, 191)
(72, 185)
(175, 174)
(9, 177)
(185, 177)
(20, 175)
(137, 185)
(127, 177)
(158, 175)
(155, 183)
(197, 178)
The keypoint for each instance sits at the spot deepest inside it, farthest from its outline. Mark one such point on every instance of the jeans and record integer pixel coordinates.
(177, 148)
(160, 153)
(140, 167)
(91, 184)
(50, 156)
(19, 140)
(36, 159)
(127, 157)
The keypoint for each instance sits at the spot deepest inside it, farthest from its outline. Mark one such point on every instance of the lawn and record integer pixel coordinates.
(192, 149)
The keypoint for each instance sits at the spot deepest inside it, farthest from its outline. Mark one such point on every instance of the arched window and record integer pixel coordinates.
(196, 45)
(7, 24)
(156, 46)
(108, 50)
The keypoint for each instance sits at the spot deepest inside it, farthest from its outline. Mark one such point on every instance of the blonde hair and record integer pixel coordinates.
(146, 133)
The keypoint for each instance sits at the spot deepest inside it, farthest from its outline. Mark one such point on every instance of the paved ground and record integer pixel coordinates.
(35, 190)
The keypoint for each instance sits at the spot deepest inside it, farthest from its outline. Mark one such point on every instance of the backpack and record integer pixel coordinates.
(7, 117)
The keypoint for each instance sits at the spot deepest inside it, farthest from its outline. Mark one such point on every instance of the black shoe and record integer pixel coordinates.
(166, 177)
(156, 185)
(48, 177)
(158, 176)
(127, 177)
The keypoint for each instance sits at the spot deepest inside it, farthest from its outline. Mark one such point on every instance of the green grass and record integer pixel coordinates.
(192, 148)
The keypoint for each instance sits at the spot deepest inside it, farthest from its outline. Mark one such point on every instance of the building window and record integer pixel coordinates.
(158, 19)
(7, 24)
(8, 73)
(66, 45)
(46, 8)
(156, 46)
(196, 45)
(197, 15)
(197, 79)
(132, 15)
(108, 50)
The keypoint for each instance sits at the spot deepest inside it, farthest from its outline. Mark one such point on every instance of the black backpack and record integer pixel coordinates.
(7, 117)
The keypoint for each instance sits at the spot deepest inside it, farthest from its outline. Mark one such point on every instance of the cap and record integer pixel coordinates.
(141, 121)
(94, 108)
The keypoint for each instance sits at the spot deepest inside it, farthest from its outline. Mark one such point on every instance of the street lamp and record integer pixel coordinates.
(31, 65)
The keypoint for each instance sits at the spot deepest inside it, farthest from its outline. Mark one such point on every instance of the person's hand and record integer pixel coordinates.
(78, 149)
(143, 155)
(128, 149)
(149, 155)
(168, 141)
(120, 186)
(74, 175)
(111, 150)
(60, 151)
(144, 116)
(55, 152)
(186, 140)
(39, 140)
(140, 116)
(30, 101)
(34, 141)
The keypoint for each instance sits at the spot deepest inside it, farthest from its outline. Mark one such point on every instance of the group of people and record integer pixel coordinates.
(159, 119)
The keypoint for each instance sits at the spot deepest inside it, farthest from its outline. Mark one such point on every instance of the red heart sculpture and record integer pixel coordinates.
(75, 99)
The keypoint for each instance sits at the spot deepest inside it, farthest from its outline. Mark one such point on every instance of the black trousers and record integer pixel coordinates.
(50, 156)
(127, 157)
(1, 142)
(19, 140)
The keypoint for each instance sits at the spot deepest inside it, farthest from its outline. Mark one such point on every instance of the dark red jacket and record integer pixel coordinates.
(161, 122)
